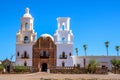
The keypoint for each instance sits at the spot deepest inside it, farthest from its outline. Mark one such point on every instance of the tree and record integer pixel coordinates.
(117, 49)
(116, 64)
(76, 49)
(93, 65)
(85, 48)
(1, 67)
(107, 45)
(113, 61)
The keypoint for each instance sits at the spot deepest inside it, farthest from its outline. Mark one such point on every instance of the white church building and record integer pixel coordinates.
(63, 39)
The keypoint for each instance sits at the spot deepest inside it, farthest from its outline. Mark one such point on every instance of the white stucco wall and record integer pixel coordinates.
(21, 62)
(21, 48)
(67, 48)
(103, 60)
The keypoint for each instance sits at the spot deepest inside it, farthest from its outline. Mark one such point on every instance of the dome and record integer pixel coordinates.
(47, 35)
(27, 14)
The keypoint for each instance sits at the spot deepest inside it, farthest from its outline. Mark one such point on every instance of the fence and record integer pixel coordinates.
(68, 70)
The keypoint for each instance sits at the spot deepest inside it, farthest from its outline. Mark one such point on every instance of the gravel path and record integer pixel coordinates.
(37, 76)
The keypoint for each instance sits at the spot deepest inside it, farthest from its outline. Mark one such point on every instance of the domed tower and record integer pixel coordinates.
(64, 41)
(25, 38)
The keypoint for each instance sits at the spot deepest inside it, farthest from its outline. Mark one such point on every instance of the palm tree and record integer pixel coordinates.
(76, 49)
(107, 45)
(117, 49)
(85, 48)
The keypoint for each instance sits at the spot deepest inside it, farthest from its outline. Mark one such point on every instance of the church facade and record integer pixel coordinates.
(47, 52)
(44, 53)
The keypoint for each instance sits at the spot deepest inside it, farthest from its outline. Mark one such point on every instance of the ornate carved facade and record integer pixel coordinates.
(44, 53)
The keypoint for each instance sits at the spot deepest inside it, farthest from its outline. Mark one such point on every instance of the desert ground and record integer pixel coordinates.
(48, 76)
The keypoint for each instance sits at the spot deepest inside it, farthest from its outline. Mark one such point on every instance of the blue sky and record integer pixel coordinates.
(92, 21)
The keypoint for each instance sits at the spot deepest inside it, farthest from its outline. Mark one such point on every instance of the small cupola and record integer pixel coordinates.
(27, 14)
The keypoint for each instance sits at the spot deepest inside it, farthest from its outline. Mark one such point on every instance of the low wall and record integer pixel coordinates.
(76, 70)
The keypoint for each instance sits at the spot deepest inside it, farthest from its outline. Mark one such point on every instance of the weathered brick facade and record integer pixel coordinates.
(44, 54)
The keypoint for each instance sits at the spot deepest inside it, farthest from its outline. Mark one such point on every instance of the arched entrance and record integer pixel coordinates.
(8, 68)
(44, 67)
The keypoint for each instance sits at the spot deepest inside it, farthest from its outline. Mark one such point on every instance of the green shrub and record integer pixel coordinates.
(1, 67)
(20, 69)
(76, 70)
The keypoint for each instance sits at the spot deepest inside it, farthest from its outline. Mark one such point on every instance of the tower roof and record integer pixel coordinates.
(27, 14)
(47, 35)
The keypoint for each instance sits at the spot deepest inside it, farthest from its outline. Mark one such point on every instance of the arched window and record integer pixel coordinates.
(25, 63)
(63, 64)
(63, 54)
(25, 54)
(63, 26)
(44, 53)
(78, 65)
(26, 39)
(63, 39)
(26, 26)
(70, 54)
(18, 53)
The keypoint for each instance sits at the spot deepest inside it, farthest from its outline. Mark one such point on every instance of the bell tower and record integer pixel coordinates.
(25, 38)
(27, 21)
(63, 38)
